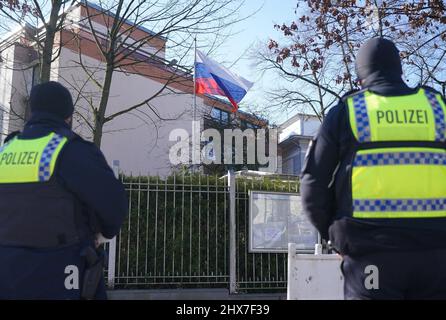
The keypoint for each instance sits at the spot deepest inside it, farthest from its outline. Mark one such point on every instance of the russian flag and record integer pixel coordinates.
(213, 78)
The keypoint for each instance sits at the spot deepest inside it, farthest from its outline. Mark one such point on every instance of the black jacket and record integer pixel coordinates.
(27, 273)
(83, 170)
(327, 199)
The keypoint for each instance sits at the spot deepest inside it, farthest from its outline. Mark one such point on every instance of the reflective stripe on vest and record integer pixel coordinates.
(399, 208)
(398, 182)
(362, 118)
(395, 158)
(33, 160)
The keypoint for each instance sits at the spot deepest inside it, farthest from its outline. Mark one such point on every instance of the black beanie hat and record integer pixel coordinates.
(51, 97)
(378, 55)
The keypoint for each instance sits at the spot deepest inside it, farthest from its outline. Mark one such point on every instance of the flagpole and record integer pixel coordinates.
(195, 79)
(195, 129)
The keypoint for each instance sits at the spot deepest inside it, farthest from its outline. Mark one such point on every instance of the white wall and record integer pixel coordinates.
(15, 84)
(21, 87)
(302, 126)
(310, 126)
(76, 20)
(139, 139)
(294, 129)
(5, 88)
(307, 126)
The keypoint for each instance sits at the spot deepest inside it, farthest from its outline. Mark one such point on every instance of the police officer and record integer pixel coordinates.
(374, 182)
(56, 193)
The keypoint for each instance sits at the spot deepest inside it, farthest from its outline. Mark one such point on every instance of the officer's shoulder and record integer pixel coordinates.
(77, 144)
(11, 136)
(428, 88)
(80, 153)
(341, 107)
(351, 93)
(81, 142)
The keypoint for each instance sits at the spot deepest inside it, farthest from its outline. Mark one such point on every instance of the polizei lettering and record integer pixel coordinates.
(402, 117)
(18, 158)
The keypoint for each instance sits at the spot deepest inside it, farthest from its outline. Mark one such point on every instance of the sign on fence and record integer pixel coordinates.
(276, 219)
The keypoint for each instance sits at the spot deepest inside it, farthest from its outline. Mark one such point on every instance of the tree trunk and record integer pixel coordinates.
(100, 114)
(50, 33)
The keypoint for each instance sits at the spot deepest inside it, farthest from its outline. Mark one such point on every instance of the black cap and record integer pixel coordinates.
(52, 97)
(378, 55)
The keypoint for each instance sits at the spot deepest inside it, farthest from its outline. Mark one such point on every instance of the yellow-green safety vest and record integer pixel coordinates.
(407, 179)
(28, 161)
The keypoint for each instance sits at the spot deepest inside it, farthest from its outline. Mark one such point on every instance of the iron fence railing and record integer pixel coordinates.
(177, 235)
(258, 271)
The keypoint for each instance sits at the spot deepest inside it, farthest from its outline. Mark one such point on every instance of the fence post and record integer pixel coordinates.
(112, 243)
(232, 234)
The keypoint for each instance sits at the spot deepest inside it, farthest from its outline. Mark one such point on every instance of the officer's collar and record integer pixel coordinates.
(47, 119)
(378, 78)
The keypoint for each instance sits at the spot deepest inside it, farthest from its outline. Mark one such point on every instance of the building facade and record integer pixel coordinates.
(138, 138)
(295, 136)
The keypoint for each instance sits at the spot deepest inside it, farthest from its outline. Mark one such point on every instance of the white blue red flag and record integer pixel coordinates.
(213, 78)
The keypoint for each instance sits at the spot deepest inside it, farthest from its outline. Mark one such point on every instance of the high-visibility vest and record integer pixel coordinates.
(399, 165)
(35, 210)
(33, 160)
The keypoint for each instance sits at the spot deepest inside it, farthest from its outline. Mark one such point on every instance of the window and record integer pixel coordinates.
(220, 115)
(292, 164)
(224, 117)
(249, 125)
(287, 166)
(215, 113)
(252, 126)
(297, 165)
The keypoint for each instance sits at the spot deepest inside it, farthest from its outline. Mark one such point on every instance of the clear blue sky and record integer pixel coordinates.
(250, 34)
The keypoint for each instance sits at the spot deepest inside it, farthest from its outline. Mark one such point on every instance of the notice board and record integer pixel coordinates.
(276, 219)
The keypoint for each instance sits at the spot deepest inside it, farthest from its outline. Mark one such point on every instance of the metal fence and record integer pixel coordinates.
(177, 236)
(258, 271)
